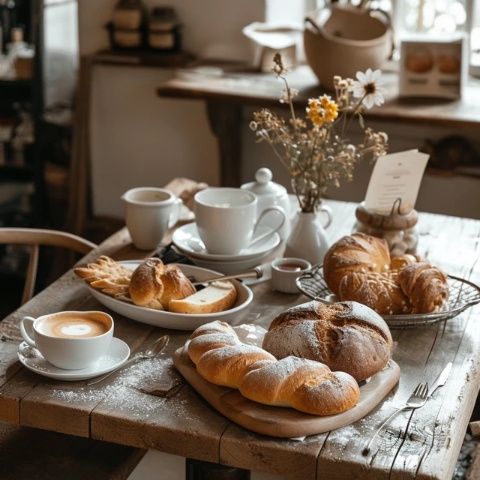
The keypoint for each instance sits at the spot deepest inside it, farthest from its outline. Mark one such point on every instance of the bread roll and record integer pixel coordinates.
(176, 286)
(154, 284)
(302, 384)
(346, 336)
(146, 287)
(357, 252)
(379, 291)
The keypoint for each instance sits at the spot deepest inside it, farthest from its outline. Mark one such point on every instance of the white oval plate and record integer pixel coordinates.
(177, 321)
(186, 239)
(116, 355)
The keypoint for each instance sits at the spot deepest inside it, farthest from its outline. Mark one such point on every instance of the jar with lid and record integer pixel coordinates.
(270, 194)
(399, 228)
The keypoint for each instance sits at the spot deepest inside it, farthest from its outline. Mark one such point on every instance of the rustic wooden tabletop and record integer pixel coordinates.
(149, 406)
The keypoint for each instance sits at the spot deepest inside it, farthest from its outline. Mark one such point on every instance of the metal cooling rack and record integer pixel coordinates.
(463, 294)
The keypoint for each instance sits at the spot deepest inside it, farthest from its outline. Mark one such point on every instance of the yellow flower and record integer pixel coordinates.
(322, 110)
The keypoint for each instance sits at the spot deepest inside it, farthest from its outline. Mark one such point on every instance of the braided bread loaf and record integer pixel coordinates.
(345, 336)
(359, 268)
(305, 385)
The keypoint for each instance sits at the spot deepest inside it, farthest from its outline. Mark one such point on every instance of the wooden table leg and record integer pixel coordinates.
(226, 121)
(198, 470)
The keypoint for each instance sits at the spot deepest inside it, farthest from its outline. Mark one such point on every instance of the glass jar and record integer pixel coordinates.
(399, 228)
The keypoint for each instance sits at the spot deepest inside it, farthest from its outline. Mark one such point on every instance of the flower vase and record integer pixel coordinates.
(308, 239)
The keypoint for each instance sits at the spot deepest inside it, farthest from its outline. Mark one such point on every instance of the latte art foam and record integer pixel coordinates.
(71, 327)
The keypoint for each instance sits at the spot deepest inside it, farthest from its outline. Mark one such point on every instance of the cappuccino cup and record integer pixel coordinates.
(226, 219)
(69, 340)
(149, 213)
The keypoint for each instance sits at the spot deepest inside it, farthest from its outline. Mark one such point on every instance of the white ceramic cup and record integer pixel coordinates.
(226, 219)
(285, 280)
(68, 353)
(149, 213)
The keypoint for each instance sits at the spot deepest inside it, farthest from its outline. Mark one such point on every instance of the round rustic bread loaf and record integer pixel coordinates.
(346, 336)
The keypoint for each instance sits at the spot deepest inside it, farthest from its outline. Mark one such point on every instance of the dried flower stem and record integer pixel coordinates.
(318, 155)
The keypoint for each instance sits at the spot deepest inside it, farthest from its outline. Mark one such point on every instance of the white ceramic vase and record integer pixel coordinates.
(308, 239)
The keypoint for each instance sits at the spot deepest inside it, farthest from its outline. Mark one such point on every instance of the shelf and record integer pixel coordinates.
(143, 58)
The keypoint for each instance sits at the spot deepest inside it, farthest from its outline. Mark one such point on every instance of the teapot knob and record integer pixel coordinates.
(263, 175)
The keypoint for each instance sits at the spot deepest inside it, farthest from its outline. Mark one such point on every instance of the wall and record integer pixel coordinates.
(139, 139)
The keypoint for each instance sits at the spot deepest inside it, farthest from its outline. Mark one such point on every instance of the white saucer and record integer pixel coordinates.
(187, 240)
(117, 354)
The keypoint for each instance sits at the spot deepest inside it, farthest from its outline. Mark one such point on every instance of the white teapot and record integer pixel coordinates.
(270, 194)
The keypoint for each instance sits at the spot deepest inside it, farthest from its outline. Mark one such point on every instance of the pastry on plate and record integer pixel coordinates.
(106, 275)
(154, 284)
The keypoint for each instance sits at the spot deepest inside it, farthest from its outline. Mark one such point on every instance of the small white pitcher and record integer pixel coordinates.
(308, 239)
(149, 213)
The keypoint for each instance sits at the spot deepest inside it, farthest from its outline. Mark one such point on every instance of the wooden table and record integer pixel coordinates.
(226, 95)
(422, 444)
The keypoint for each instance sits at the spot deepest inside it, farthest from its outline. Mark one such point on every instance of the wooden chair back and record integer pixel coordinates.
(34, 238)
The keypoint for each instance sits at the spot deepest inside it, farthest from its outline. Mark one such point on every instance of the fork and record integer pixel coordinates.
(416, 400)
(158, 345)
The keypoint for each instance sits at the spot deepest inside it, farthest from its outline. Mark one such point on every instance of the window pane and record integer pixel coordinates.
(431, 16)
(475, 34)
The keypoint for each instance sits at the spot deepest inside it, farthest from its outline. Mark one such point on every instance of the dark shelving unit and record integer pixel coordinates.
(29, 92)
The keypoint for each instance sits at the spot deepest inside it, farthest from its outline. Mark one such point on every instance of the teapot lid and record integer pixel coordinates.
(263, 184)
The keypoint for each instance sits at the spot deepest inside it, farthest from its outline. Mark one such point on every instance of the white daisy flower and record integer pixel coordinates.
(367, 86)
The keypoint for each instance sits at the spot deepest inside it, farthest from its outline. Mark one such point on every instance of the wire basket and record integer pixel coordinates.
(463, 294)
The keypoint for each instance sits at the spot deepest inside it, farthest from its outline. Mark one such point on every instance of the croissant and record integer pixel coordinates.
(306, 385)
(107, 275)
(425, 285)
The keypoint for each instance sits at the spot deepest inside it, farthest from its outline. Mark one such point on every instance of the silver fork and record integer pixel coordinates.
(416, 400)
(157, 347)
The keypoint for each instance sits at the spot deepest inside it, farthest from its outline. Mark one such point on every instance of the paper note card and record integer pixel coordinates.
(397, 175)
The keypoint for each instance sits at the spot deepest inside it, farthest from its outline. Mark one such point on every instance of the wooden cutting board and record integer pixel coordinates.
(279, 421)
